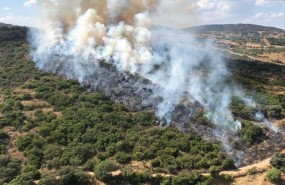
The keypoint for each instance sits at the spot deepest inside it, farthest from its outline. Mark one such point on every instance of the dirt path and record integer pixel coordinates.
(249, 56)
(257, 179)
(260, 167)
(239, 54)
(242, 176)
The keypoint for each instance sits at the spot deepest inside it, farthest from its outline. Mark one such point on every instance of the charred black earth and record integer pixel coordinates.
(137, 94)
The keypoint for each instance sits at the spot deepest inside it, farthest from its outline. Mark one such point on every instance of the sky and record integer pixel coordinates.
(194, 12)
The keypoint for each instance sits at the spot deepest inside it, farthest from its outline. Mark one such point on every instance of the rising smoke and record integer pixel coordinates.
(78, 34)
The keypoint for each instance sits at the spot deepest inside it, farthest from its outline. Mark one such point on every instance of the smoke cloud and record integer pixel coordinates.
(79, 34)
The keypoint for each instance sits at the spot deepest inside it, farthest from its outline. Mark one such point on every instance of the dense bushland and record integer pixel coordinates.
(66, 131)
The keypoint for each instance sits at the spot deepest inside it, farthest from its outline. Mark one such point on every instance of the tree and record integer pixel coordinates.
(9, 168)
(155, 163)
(103, 170)
(274, 110)
(48, 180)
(122, 157)
(127, 173)
(250, 132)
(4, 140)
(23, 179)
(32, 171)
(228, 164)
(215, 170)
(278, 161)
(73, 176)
(26, 96)
(89, 165)
(191, 178)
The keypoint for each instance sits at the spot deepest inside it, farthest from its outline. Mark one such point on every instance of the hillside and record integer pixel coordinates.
(54, 131)
(10, 32)
(245, 41)
(234, 28)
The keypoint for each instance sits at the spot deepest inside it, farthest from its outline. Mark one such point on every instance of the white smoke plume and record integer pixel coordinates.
(259, 117)
(78, 34)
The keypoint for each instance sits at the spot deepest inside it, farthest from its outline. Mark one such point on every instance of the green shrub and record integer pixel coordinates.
(28, 142)
(103, 156)
(273, 175)
(35, 156)
(250, 132)
(4, 140)
(274, 111)
(26, 96)
(191, 178)
(167, 159)
(32, 171)
(13, 118)
(52, 151)
(89, 165)
(228, 164)
(9, 168)
(252, 171)
(103, 170)
(227, 177)
(4, 136)
(48, 180)
(155, 163)
(23, 179)
(73, 176)
(122, 157)
(278, 161)
(141, 177)
(127, 173)
(215, 170)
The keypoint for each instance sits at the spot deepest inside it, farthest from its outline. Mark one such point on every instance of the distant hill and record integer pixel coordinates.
(6, 25)
(10, 32)
(245, 41)
(236, 28)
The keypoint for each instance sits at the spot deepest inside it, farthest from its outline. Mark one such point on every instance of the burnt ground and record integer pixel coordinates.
(137, 94)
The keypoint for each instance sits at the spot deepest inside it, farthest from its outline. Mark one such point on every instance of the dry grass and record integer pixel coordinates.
(21, 91)
(12, 150)
(1, 99)
(260, 167)
(137, 166)
(46, 110)
(253, 45)
(243, 177)
(266, 42)
(280, 90)
(228, 42)
(257, 179)
(274, 57)
(35, 103)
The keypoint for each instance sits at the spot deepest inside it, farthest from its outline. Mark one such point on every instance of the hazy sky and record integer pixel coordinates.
(263, 12)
